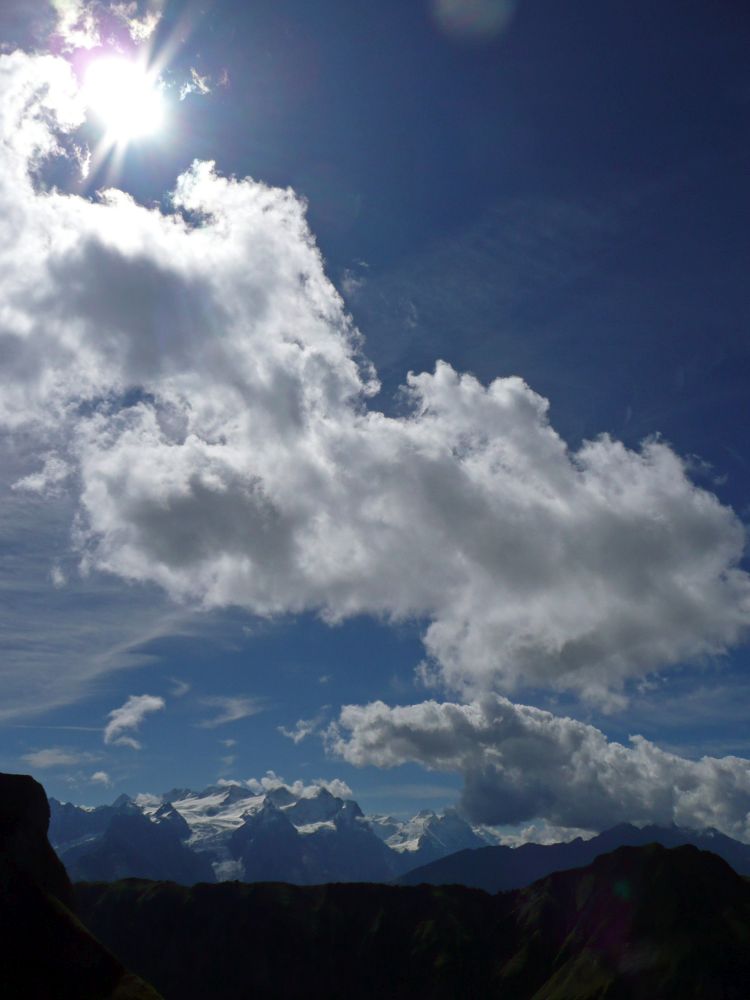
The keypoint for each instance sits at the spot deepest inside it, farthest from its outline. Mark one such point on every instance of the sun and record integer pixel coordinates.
(125, 97)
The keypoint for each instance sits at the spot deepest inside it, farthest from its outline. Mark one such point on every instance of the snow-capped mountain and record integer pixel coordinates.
(429, 835)
(251, 832)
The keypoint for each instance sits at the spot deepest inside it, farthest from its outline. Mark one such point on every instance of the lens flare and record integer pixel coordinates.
(474, 20)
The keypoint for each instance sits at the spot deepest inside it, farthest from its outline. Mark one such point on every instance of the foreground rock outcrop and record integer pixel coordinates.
(45, 952)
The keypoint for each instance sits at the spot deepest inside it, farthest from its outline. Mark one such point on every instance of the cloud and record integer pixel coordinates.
(230, 709)
(272, 781)
(140, 26)
(48, 480)
(179, 688)
(545, 833)
(202, 377)
(84, 24)
(521, 763)
(129, 717)
(198, 84)
(55, 757)
(101, 778)
(304, 728)
(50, 655)
(77, 23)
(335, 786)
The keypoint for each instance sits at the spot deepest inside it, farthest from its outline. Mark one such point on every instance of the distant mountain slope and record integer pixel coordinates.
(641, 923)
(134, 847)
(45, 952)
(500, 868)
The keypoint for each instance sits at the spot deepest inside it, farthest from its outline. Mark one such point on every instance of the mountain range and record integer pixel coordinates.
(637, 923)
(309, 837)
(230, 832)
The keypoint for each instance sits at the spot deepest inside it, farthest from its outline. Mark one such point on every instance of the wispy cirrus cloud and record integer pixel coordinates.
(230, 709)
(45, 603)
(179, 688)
(56, 757)
(127, 719)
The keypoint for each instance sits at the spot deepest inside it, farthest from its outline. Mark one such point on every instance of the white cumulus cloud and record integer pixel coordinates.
(271, 781)
(200, 376)
(521, 763)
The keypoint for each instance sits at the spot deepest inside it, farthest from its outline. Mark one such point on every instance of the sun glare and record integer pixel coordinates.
(124, 97)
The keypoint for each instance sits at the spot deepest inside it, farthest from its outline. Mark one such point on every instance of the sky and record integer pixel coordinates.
(374, 402)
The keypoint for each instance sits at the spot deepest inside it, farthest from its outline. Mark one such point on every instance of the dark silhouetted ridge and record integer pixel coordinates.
(646, 923)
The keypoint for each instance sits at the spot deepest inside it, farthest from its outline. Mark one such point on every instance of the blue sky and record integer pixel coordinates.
(512, 189)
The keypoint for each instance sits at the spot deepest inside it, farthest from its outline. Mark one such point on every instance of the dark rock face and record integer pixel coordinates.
(44, 951)
(638, 924)
(24, 821)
